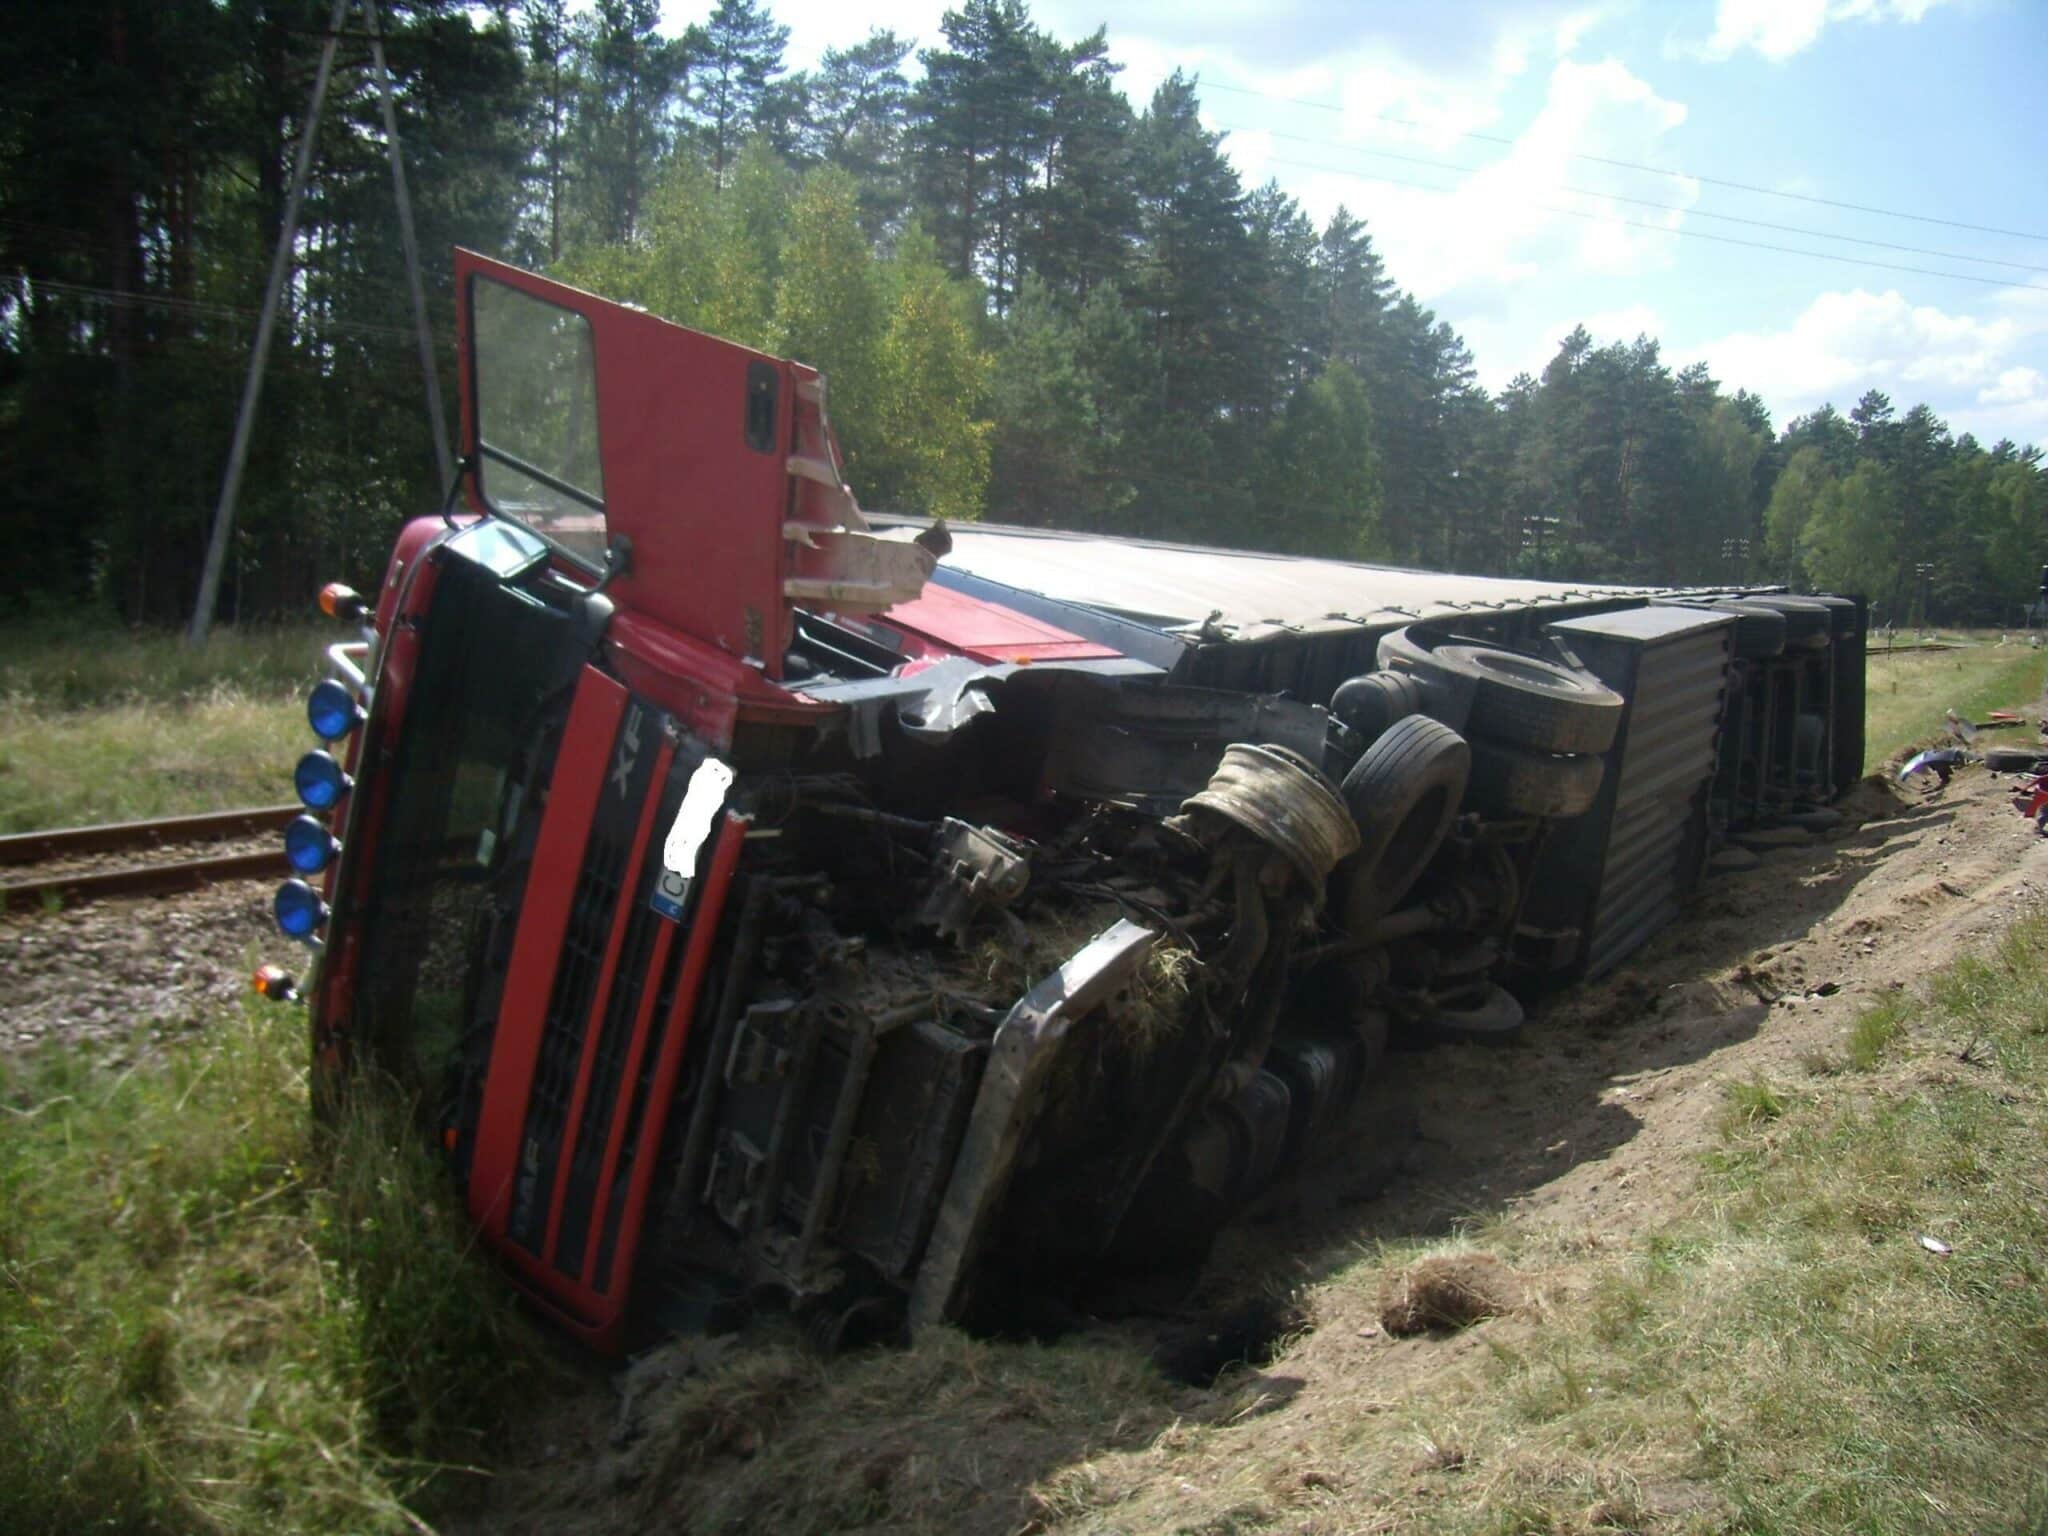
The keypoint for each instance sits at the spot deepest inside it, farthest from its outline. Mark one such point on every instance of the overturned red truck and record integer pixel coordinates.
(765, 900)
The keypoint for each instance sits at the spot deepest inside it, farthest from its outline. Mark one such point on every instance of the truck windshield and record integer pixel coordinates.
(536, 416)
(490, 657)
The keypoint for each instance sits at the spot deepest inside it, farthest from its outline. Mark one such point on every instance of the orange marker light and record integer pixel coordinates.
(338, 601)
(270, 981)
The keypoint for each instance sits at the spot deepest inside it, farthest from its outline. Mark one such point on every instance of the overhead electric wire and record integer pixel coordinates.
(1643, 202)
(199, 308)
(1663, 229)
(1637, 165)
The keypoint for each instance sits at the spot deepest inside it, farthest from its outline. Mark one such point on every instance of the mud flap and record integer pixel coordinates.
(1026, 1045)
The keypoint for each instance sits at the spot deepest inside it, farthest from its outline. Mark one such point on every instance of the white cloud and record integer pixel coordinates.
(1971, 368)
(1499, 225)
(1778, 29)
(2015, 386)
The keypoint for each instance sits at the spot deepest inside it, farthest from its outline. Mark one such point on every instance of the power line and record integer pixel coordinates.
(1682, 234)
(202, 309)
(1643, 202)
(1653, 170)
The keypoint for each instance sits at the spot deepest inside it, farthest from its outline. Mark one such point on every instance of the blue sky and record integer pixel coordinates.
(1475, 138)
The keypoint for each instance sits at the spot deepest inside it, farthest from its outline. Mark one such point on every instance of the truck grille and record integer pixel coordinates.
(568, 1014)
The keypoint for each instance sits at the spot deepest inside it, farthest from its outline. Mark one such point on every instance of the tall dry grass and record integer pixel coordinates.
(107, 724)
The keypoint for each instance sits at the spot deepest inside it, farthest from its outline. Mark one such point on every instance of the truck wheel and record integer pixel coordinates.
(1528, 702)
(1372, 702)
(1403, 792)
(1495, 1019)
(2014, 759)
(1513, 781)
(1400, 650)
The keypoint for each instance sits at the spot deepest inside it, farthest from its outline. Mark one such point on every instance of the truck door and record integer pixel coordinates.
(701, 475)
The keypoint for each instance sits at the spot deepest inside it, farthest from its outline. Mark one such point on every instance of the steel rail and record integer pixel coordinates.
(142, 879)
(114, 837)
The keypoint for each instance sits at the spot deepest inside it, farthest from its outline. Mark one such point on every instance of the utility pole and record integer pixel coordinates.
(273, 295)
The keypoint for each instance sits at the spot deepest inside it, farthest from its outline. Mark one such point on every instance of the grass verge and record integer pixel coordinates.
(1845, 1331)
(1907, 693)
(115, 725)
(213, 1320)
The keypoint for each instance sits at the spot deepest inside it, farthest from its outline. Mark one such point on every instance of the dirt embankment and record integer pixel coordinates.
(1588, 1132)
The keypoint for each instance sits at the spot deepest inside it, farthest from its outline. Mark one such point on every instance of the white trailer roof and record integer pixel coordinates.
(1175, 586)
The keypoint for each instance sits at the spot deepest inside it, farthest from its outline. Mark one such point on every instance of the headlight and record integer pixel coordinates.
(308, 845)
(299, 909)
(332, 710)
(320, 781)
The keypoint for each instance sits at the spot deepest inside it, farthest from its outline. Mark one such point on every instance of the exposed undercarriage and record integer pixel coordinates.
(1040, 1000)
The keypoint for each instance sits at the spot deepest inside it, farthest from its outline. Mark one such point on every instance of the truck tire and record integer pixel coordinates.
(1518, 699)
(2014, 759)
(1403, 652)
(1404, 793)
(1514, 781)
(1527, 702)
(1373, 701)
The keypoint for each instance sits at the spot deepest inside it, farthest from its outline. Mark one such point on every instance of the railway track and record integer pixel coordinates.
(85, 863)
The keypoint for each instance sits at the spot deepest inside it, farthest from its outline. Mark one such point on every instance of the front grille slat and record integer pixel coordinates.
(568, 1014)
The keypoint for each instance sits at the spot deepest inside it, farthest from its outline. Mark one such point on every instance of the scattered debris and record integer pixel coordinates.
(1450, 1291)
(1942, 762)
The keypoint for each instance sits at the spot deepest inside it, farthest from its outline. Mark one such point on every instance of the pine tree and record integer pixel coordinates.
(738, 57)
(630, 80)
(981, 120)
(856, 111)
(551, 61)
(1082, 216)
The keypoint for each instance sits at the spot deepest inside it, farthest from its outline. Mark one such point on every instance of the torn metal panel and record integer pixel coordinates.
(1026, 1045)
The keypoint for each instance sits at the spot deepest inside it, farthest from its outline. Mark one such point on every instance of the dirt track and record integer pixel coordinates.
(1588, 1130)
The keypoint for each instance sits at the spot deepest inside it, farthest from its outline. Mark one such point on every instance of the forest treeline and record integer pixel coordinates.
(1035, 300)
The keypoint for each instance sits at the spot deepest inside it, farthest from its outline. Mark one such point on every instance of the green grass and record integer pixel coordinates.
(210, 1320)
(114, 725)
(1875, 1031)
(1908, 693)
(1791, 1353)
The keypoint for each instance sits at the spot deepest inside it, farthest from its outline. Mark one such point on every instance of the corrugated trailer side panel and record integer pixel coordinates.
(1620, 871)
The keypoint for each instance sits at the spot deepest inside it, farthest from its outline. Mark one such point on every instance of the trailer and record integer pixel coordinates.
(764, 902)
